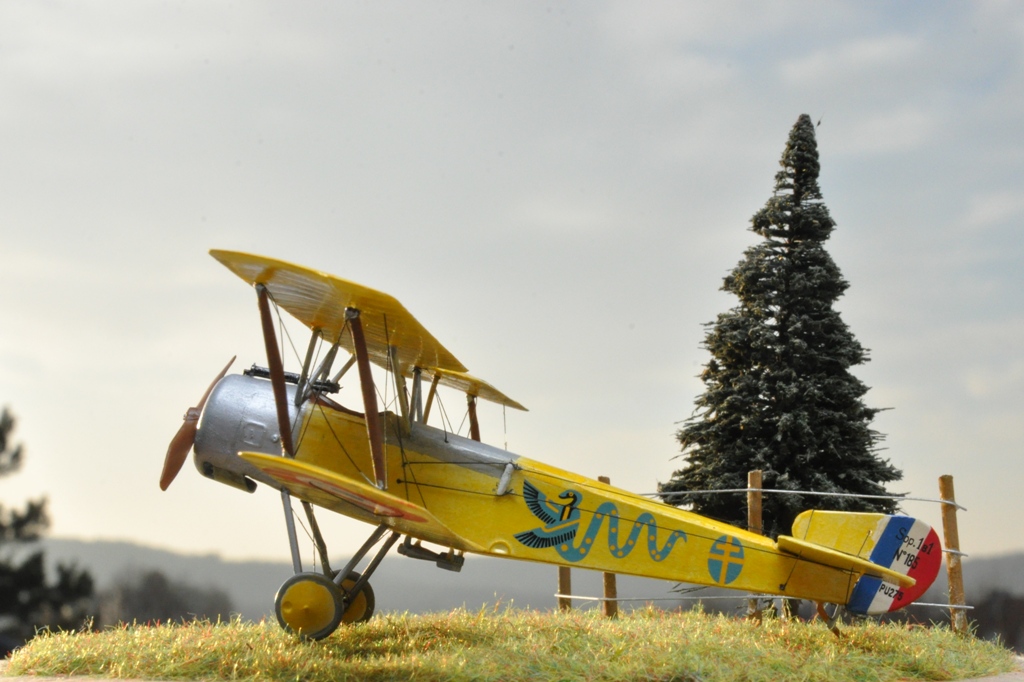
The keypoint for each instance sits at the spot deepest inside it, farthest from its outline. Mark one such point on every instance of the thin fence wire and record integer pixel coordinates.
(902, 498)
(725, 597)
(778, 491)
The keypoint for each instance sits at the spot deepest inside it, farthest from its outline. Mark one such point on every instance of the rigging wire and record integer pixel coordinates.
(394, 371)
(583, 509)
(387, 368)
(313, 363)
(319, 406)
(461, 462)
(625, 519)
(337, 439)
(309, 382)
(306, 531)
(453, 489)
(284, 330)
(446, 423)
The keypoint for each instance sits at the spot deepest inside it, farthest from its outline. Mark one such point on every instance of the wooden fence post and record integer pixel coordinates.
(754, 524)
(564, 587)
(954, 570)
(610, 605)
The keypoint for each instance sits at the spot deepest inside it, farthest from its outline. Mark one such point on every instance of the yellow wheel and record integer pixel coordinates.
(358, 607)
(309, 605)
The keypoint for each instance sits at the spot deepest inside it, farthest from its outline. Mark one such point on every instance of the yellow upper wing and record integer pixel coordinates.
(319, 300)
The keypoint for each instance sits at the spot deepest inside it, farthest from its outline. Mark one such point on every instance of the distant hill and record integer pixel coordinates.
(982, 576)
(403, 584)
(400, 584)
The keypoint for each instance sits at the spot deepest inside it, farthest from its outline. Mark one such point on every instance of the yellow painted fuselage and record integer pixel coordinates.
(444, 489)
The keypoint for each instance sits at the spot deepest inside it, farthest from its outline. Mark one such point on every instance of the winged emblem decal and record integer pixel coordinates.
(561, 521)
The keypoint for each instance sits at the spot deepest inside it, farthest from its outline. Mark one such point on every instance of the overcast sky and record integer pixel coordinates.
(555, 190)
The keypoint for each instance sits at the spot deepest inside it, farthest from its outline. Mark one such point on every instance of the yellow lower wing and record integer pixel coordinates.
(353, 498)
(830, 557)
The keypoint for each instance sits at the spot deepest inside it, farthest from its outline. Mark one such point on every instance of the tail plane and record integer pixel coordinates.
(896, 556)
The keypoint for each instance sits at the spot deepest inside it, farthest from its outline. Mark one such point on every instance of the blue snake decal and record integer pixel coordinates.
(562, 523)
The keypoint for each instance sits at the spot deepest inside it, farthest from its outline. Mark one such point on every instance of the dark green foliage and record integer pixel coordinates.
(27, 602)
(10, 457)
(779, 396)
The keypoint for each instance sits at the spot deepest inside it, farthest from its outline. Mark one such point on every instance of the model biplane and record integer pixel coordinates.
(420, 483)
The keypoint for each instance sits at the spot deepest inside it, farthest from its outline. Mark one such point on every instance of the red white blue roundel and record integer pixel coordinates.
(904, 545)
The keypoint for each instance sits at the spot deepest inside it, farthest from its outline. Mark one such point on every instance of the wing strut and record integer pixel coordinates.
(284, 423)
(430, 397)
(369, 399)
(474, 424)
(403, 398)
(417, 396)
(304, 377)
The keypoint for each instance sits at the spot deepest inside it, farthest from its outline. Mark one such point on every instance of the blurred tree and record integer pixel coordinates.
(149, 597)
(27, 602)
(1000, 617)
(779, 396)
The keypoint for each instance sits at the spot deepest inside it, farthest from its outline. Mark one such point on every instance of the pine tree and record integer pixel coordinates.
(779, 395)
(27, 602)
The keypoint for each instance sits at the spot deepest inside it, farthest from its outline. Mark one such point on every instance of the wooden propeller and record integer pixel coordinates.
(181, 444)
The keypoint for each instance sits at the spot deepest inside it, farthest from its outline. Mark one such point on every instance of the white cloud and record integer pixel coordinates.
(675, 74)
(560, 215)
(995, 382)
(888, 132)
(861, 58)
(991, 208)
(714, 23)
(991, 361)
(65, 42)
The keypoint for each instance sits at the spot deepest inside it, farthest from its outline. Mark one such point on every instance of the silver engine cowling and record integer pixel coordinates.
(240, 416)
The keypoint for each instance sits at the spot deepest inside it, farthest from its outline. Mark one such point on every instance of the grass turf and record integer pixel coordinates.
(518, 645)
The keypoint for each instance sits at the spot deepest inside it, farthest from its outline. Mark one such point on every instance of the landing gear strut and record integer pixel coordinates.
(358, 605)
(831, 622)
(313, 605)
